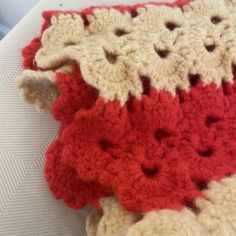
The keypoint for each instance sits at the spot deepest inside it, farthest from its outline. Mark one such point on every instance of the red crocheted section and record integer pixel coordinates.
(155, 153)
(159, 152)
(65, 183)
(29, 53)
(76, 94)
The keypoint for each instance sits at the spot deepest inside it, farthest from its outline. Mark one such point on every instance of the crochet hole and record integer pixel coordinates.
(146, 84)
(180, 95)
(210, 120)
(150, 172)
(228, 174)
(216, 20)
(234, 72)
(120, 32)
(226, 89)
(85, 20)
(162, 53)
(171, 25)
(133, 13)
(206, 153)
(129, 104)
(138, 218)
(69, 43)
(201, 185)
(111, 58)
(161, 134)
(194, 79)
(34, 62)
(210, 48)
(192, 206)
(105, 144)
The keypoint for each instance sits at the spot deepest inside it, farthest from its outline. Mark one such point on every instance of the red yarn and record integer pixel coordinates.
(159, 152)
(75, 94)
(65, 183)
(29, 53)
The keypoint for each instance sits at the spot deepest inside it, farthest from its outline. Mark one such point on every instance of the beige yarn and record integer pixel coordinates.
(153, 19)
(38, 88)
(213, 38)
(65, 29)
(216, 216)
(162, 43)
(104, 20)
(166, 73)
(168, 222)
(114, 220)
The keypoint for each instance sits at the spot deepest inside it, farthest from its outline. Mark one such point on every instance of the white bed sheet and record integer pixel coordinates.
(26, 205)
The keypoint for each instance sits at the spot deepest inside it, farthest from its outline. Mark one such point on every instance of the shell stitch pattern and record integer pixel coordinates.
(146, 100)
(200, 39)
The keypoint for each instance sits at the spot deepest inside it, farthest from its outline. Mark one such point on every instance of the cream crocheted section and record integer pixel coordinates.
(162, 43)
(215, 216)
(111, 220)
(38, 88)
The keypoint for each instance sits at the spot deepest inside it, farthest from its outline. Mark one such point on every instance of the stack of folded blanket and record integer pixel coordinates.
(146, 100)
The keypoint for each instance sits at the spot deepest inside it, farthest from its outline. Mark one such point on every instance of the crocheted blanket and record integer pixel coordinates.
(145, 96)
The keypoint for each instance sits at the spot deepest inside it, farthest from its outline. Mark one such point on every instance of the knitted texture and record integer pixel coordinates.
(145, 96)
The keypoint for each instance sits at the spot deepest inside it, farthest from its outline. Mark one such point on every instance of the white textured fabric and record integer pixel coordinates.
(26, 205)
